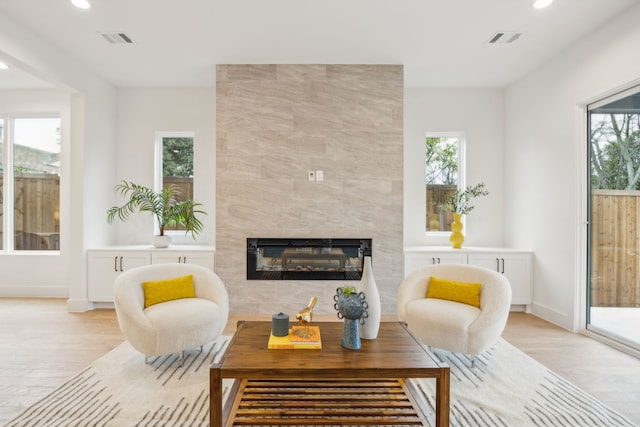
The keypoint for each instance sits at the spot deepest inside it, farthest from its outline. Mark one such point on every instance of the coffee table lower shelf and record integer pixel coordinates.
(324, 402)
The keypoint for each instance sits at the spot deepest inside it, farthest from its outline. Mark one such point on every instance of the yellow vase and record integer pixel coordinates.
(456, 238)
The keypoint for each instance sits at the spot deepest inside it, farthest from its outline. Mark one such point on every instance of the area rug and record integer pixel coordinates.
(505, 388)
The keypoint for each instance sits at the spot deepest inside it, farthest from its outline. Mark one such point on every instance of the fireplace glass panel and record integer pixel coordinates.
(306, 259)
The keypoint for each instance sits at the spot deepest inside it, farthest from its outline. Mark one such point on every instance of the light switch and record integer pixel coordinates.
(312, 176)
(319, 176)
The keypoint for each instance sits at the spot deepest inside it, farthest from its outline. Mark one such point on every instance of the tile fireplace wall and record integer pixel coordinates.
(274, 124)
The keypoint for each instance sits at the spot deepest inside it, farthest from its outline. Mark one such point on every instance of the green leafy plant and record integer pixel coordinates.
(165, 206)
(460, 202)
(348, 290)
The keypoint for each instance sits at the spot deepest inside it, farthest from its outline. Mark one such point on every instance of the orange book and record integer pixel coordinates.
(297, 339)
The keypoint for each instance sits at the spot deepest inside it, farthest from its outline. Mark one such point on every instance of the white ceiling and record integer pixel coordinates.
(441, 43)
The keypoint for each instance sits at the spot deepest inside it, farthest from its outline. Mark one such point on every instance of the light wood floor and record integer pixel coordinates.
(42, 345)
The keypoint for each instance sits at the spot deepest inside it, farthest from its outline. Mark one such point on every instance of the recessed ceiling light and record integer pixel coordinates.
(81, 4)
(541, 4)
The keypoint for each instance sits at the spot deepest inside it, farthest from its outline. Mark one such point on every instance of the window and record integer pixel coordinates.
(30, 197)
(443, 176)
(613, 217)
(174, 163)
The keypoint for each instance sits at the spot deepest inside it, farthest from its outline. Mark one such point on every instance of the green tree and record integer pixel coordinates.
(615, 151)
(441, 161)
(177, 157)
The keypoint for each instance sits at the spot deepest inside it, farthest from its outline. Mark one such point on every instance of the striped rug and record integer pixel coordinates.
(506, 388)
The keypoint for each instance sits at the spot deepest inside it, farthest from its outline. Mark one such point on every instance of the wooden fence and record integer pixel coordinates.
(437, 196)
(615, 248)
(37, 209)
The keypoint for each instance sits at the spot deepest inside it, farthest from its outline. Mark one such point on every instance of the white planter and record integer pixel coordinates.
(369, 331)
(161, 241)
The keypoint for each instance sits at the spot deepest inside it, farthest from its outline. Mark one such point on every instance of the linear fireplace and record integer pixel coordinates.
(306, 259)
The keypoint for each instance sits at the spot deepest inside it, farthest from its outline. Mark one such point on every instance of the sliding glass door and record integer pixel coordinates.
(614, 214)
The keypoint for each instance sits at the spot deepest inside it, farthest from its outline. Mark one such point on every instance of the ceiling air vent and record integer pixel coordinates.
(504, 37)
(116, 37)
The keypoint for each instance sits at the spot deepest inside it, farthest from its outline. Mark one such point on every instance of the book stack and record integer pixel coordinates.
(300, 337)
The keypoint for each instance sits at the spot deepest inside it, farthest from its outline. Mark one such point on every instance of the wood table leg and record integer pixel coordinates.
(215, 397)
(442, 398)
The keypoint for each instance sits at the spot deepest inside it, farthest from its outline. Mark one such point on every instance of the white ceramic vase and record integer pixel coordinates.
(369, 331)
(161, 241)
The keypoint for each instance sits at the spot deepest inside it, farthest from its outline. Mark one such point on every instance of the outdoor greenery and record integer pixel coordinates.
(164, 206)
(460, 202)
(441, 160)
(177, 157)
(615, 151)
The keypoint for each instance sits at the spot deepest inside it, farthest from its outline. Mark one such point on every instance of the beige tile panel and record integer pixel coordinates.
(274, 124)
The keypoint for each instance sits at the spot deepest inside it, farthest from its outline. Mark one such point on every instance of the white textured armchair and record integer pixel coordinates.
(175, 325)
(450, 325)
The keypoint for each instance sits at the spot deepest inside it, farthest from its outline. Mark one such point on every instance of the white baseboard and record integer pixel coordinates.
(563, 320)
(34, 291)
(78, 305)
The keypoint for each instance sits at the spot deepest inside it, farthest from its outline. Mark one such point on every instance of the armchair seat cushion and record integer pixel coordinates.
(430, 321)
(186, 323)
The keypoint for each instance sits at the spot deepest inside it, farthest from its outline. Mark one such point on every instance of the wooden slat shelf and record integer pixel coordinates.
(331, 402)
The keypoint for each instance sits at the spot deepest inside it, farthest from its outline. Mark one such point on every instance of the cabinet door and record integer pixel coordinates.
(202, 258)
(105, 267)
(516, 268)
(415, 261)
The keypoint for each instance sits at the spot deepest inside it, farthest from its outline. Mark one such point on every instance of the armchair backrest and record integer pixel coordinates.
(495, 293)
(129, 297)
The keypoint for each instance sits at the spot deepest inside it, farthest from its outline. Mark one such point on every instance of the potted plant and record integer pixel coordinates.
(165, 206)
(460, 204)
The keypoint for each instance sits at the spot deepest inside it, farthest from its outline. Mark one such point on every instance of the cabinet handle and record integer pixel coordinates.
(433, 260)
(438, 260)
(115, 263)
(498, 265)
(121, 264)
(502, 265)
(184, 259)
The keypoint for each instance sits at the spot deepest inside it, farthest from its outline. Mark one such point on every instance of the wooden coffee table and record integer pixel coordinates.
(290, 377)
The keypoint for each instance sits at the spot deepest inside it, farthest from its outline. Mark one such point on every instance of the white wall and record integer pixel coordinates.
(52, 275)
(480, 115)
(86, 175)
(142, 113)
(545, 159)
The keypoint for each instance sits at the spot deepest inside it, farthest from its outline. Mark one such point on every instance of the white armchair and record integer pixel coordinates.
(176, 325)
(450, 325)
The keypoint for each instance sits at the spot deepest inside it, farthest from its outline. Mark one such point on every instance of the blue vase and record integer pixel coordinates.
(353, 309)
(351, 335)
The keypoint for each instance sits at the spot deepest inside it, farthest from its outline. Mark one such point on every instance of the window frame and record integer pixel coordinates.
(462, 142)
(8, 179)
(158, 167)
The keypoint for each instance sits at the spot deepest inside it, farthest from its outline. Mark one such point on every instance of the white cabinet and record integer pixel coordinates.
(105, 265)
(202, 258)
(416, 260)
(515, 266)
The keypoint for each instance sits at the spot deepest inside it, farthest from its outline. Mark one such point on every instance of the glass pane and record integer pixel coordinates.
(614, 297)
(441, 178)
(36, 161)
(177, 167)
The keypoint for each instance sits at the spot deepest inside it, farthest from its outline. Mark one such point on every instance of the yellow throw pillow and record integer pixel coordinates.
(167, 290)
(466, 293)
